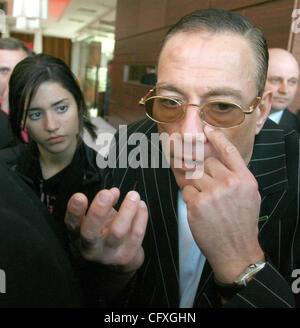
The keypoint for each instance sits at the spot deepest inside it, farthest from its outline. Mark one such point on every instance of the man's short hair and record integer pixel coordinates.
(218, 20)
(14, 44)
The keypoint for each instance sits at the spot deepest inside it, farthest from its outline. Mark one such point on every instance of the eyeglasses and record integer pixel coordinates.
(217, 113)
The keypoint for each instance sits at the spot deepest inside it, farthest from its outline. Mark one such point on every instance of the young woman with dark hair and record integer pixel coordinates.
(46, 99)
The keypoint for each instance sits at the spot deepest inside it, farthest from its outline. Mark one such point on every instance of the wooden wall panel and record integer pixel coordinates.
(126, 18)
(26, 38)
(22, 36)
(143, 48)
(58, 47)
(274, 19)
(142, 24)
(178, 8)
(151, 15)
(235, 4)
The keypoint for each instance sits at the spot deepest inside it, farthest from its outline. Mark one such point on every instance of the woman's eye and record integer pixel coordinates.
(62, 109)
(34, 116)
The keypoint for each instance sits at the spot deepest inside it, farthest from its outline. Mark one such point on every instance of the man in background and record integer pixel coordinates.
(282, 81)
(12, 51)
(150, 78)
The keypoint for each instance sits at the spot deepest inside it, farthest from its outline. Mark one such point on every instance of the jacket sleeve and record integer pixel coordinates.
(267, 289)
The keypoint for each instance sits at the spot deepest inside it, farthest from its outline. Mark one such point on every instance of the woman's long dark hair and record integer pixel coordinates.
(25, 80)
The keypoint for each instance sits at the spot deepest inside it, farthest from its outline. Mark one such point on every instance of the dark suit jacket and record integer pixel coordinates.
(275, 164)
(6, 136)
(289, 121)
(37, 270)
(81, 175)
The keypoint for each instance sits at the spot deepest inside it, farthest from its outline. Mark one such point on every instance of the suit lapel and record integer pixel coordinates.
(268, 165)
(158, 187)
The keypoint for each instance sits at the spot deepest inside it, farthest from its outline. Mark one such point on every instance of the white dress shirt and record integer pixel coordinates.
(275, 117)
(191, 260)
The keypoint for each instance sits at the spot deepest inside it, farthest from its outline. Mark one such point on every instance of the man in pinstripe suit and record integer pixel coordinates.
(230, 238)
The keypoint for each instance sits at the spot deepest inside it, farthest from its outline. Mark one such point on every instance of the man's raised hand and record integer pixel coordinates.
(107, 236)
(223, 209)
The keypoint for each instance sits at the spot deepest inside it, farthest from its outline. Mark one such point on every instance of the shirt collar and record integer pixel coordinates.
(276, 117)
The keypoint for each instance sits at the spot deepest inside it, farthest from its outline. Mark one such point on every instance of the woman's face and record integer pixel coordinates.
(52, 119)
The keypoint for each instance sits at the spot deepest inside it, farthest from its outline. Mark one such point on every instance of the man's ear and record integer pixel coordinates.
(263, 110)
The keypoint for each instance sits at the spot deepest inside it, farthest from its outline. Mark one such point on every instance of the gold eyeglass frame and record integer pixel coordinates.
(254, 104)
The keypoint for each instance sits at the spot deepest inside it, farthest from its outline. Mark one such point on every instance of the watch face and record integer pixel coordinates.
(247, 275)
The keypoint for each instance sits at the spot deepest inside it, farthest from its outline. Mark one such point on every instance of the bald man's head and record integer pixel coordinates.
(282, 78)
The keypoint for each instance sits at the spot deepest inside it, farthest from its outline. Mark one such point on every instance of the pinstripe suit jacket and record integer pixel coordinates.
(275, 164)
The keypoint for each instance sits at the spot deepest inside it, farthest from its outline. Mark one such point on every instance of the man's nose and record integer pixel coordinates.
(192, 124)
(283, 87)
(51, 123)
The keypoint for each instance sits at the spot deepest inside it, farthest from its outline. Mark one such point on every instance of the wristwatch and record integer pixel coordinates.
(246, 276)
(229, 290)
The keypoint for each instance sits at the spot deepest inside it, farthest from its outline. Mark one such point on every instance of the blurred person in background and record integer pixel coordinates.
(150, 78)
(282, 81)
(12, 51)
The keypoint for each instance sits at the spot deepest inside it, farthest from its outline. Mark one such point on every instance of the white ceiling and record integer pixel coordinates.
(80, 19)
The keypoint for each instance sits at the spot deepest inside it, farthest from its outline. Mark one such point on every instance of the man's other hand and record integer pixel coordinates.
(106, 236)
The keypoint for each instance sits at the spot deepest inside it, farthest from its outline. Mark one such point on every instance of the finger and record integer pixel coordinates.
(116, 194)
(202, 184)
(122, 223)
(112, 213)
(134, 251)
(76, 209)
(139, 223)
(214, 168)
(228, 153)
(100, 211)
(189, 192)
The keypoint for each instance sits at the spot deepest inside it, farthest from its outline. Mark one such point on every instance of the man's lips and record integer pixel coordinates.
(280, 99)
